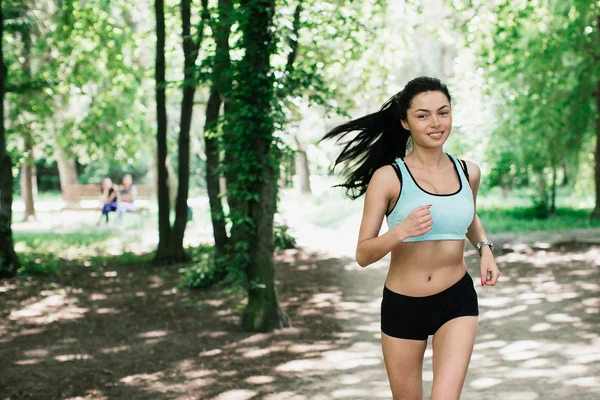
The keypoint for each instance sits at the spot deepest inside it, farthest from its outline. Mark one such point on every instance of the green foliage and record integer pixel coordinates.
(283, 240)
(527, 219)
(248, 141)
(114, 169)
(38, 264)
(539, 61)
(203, 273)
(76, 81)
(541, 207)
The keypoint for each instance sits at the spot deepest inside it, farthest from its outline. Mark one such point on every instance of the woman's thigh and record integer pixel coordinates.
(452, 349)
(404, 364)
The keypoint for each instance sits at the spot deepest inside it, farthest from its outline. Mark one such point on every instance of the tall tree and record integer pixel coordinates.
(9, 263)
(170, 247)
(255, 160)
(28, 165)
(220, 93)
(164, 224)
(594, 52)
(533, 56)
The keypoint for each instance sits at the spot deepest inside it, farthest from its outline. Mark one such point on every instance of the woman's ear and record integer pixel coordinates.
(405, 124)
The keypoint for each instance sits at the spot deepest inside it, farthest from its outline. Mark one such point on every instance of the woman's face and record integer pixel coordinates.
(429, 119)
(106, 183)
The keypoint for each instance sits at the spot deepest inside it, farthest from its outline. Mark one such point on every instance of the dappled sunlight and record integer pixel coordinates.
(258, 352)
(54, 307)
(210, 353)
(112, 350)
(156, 281)
(537, 335)
(6, 287)
(586, 381)
(97, 296)
(284, 395)
(153, 334)
(236, 394)
(141, 378)
(483, 383)
(259, 379)
(72, 357)
(506, 312)
(543, 258)
(358, 355)
(107, 310)
(30, 361)
(90, 394)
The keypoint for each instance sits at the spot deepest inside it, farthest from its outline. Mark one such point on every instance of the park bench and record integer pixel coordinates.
(85, 197)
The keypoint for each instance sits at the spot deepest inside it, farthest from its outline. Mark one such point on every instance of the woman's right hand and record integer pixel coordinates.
(417, 223)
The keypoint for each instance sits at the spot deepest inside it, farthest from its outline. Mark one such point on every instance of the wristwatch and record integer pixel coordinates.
(483, 243)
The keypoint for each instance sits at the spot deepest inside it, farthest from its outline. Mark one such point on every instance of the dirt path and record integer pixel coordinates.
(539, 335)
(124, 332)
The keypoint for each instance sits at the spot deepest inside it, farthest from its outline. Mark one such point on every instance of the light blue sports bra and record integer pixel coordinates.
(452, 213)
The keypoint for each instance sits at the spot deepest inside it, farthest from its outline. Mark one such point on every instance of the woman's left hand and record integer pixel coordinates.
(488, 265)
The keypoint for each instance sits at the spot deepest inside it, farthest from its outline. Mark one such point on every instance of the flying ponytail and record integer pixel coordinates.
(381, 138)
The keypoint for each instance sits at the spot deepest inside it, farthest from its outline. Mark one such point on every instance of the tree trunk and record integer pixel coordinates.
(211, 147)
(9, 263)
(565, 180)
(221, 86)
(553, 191)
(303, 171)
(66, 167)
(28, 181)
(164, 224)
(262, 312)
(190, 52)
(172, 183)
(596, 212)
(27, 176)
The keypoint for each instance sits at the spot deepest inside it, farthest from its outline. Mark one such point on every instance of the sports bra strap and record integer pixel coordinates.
(397, 170)
(463, 164)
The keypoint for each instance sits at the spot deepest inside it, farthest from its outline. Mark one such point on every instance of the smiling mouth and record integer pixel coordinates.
(436, 135)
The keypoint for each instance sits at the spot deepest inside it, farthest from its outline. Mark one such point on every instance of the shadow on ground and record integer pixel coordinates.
(125, 332)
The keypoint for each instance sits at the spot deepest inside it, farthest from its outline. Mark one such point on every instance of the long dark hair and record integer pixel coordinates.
(381, 138)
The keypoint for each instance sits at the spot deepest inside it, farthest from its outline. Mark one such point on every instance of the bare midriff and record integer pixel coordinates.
(424, 268)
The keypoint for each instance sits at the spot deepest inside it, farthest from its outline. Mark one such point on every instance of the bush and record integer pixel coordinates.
(38, 264)
(203, 272)
(541, 207)
(283, 240)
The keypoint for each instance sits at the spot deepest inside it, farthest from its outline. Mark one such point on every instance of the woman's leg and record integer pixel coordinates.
(452, 348)
(404, 364)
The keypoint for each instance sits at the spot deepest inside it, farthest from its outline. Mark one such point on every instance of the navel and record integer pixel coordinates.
(429, 278)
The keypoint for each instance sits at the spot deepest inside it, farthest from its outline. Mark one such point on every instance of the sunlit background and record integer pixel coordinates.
(90, 316)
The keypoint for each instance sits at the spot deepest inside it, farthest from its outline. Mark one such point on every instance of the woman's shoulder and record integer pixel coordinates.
(384, 178)
(472, 170)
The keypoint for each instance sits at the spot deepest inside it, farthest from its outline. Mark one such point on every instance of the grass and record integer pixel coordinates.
(518, 220)
(50, 253)
(58, 239)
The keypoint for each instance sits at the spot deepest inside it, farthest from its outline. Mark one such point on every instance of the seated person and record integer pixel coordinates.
(108, 198)
(127, 193)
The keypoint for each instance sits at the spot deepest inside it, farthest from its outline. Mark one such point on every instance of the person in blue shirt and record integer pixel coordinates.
(127, 194)
(429, 200)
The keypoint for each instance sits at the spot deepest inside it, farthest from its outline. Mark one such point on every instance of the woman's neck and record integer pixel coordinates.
(428, 158)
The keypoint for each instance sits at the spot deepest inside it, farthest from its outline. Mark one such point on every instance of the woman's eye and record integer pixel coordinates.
(444, 113)
(421, 116)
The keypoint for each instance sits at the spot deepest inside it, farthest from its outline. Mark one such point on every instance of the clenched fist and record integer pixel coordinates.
(417, 223)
